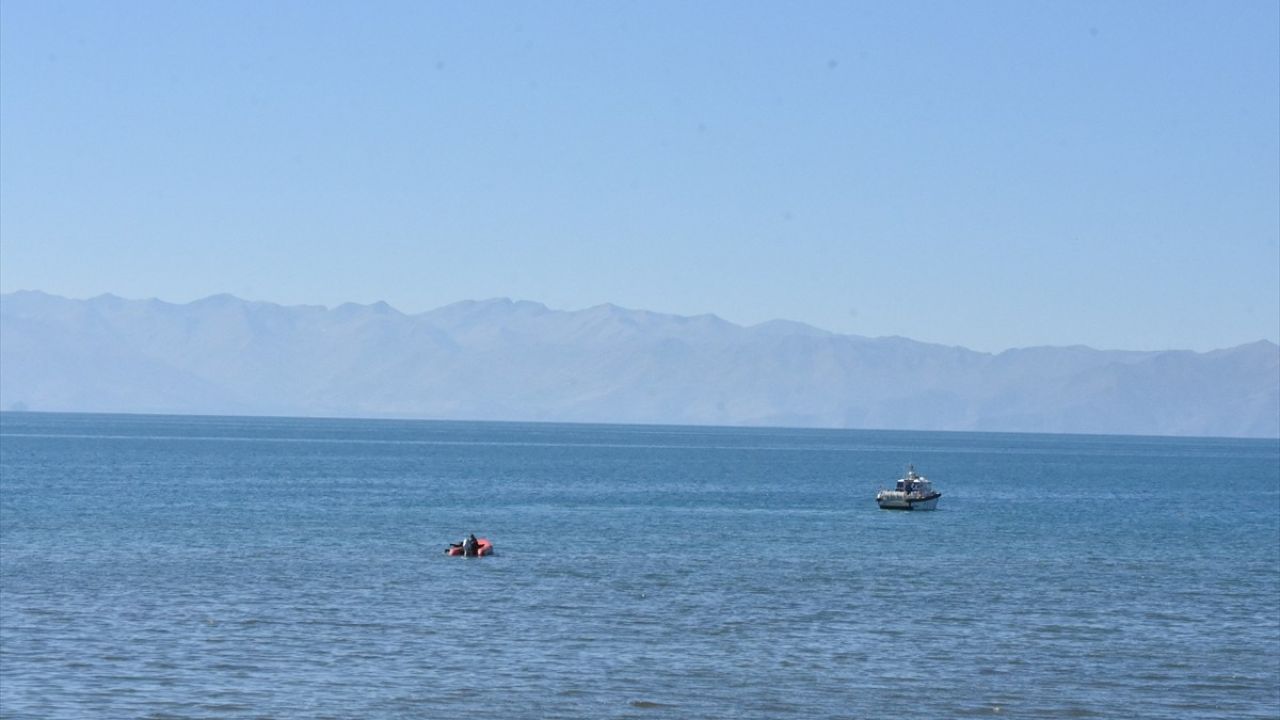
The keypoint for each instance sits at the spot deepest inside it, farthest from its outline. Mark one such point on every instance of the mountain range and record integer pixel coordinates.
(505, 360)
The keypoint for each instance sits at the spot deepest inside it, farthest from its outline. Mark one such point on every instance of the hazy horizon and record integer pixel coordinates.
(503, 360)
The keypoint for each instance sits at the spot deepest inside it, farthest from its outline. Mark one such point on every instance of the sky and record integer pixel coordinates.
(985, 174)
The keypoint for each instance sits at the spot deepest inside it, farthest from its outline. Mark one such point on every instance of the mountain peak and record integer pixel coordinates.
(218, 300)
(379, 308)
(788, 327)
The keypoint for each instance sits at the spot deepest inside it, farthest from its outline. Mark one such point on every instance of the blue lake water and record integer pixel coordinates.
(179, 567)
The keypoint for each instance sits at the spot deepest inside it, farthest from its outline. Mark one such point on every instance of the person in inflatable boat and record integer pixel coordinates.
(470, 546)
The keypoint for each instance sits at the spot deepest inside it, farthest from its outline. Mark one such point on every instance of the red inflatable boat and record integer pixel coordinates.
(483, 547)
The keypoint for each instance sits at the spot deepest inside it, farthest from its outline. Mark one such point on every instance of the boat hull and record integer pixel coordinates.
(483, 548)
(895, 501)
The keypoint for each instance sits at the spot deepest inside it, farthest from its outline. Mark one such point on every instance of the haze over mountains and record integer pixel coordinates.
(504, 360)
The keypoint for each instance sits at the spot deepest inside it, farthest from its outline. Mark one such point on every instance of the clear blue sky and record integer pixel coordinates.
(987, 174)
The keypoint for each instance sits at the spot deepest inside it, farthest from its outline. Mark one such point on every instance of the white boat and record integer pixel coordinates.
(913, 492)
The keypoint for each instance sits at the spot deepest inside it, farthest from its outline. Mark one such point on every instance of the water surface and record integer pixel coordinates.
(186, 567)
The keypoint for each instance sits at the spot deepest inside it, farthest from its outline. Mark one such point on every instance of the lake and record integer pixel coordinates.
(219, 567)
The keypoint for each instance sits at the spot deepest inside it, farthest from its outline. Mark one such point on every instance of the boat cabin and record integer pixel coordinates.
(913, 483)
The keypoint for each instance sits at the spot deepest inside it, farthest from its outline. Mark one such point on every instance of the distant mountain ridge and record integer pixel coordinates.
(505, 360)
